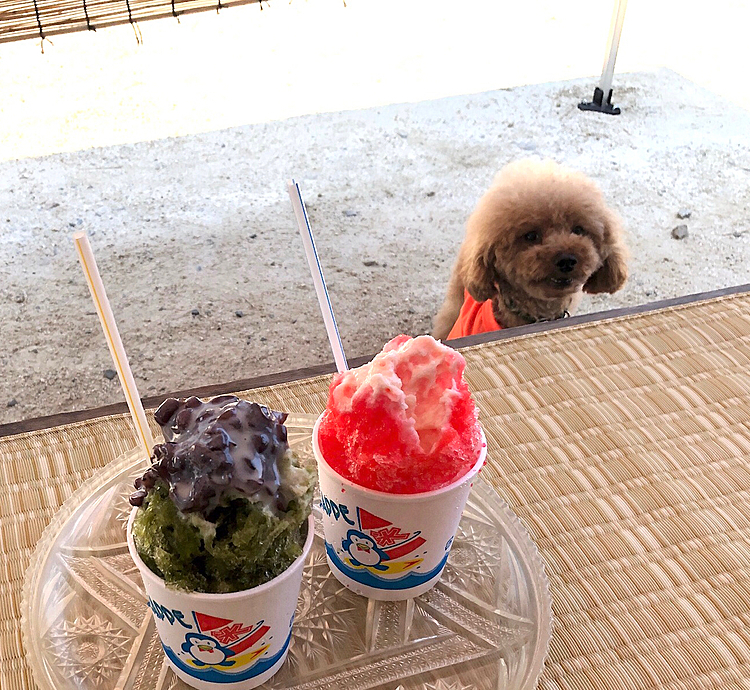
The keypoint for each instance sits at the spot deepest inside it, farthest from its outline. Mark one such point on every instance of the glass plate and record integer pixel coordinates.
(486, 625)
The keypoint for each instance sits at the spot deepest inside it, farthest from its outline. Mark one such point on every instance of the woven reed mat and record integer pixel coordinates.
(625, 448)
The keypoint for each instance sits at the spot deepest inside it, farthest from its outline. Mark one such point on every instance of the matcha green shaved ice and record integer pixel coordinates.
(239, 545)
(225, 504)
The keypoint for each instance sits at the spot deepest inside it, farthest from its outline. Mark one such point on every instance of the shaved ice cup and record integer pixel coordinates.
(232, 641)
(389, 547)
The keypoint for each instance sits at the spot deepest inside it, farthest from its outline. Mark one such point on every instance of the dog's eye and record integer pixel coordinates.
(578, 230)
(531, 236)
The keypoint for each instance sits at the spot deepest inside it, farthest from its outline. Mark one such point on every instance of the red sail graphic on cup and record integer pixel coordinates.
(207, 623)
(392, 541)
(368, 521)
(237, 637)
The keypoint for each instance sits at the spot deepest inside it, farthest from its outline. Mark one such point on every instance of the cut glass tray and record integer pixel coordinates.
(485, 626)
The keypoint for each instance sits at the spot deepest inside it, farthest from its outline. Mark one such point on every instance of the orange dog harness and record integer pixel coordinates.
(475, 317)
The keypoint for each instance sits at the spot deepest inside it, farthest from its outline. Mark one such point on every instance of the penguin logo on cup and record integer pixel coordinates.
(363, 551)
(206, 651)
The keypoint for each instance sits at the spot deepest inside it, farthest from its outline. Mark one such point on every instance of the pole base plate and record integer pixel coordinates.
(599, 105)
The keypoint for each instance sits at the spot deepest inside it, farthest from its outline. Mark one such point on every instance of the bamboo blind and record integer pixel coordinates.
(24, 19)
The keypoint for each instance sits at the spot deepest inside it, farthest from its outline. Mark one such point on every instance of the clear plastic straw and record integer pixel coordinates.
(112, 336)
(317, 275)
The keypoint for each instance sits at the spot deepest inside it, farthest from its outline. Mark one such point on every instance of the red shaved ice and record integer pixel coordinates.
(405, 422)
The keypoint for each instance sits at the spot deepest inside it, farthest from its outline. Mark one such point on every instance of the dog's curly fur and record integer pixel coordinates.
(538, 238)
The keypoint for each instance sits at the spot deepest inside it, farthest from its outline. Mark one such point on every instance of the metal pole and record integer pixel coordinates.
(602, 101)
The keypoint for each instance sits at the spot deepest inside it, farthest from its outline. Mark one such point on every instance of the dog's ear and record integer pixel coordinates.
(611, 275)
(480, 277)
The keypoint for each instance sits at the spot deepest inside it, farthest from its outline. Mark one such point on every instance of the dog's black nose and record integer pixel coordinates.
(565, 262)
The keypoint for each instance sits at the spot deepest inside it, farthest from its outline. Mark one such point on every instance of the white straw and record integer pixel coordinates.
(112, 336)
(317, 275)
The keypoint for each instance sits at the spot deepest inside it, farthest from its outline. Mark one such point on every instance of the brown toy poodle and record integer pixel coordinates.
(539, 237)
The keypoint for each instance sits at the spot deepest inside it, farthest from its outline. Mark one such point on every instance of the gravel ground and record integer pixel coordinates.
(200, 255)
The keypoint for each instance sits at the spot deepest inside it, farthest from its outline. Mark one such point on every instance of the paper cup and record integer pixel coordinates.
(233, 641)
(384, 546)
